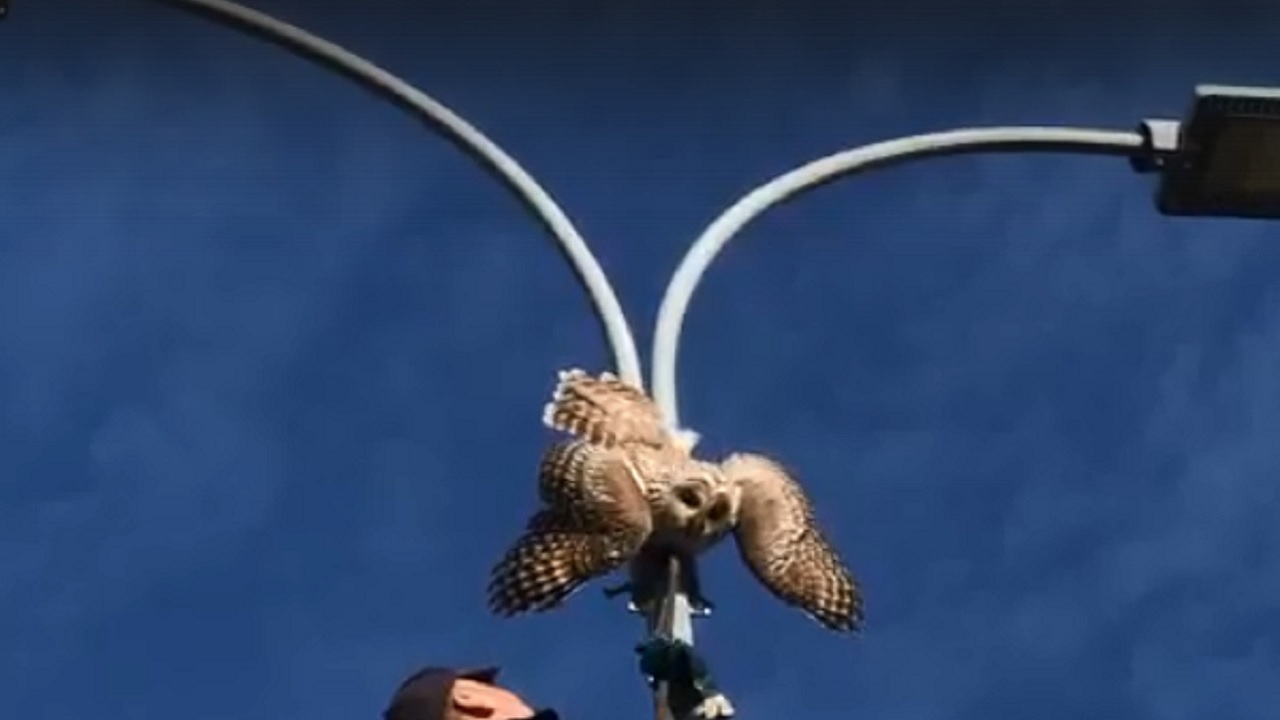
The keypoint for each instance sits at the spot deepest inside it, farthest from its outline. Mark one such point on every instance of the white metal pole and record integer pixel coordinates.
(574, 247)
(684, 282)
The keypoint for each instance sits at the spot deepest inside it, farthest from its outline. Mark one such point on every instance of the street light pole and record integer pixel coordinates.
(675, 302)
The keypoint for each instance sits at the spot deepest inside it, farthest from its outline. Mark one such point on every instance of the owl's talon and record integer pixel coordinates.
(640, 606)
(700, 606)
(714, 706)
(636, 603)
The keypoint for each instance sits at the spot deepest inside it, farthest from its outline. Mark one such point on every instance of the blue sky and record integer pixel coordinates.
(273, 358)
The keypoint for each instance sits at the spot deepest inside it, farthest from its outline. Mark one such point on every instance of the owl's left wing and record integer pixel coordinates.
(596, 518)
(780, 541)
(552, 559)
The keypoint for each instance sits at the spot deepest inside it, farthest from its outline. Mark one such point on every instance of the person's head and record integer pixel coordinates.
(438, 693)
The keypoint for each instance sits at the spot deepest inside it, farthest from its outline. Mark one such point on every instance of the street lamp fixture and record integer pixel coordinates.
(1223, 160)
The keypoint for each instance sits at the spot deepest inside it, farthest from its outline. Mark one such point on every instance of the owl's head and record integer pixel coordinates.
(702, 504)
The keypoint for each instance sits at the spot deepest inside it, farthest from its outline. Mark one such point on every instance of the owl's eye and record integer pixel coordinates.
(690, 497)
(718, 511)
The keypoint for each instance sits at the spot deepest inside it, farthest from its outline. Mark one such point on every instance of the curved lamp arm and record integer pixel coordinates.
(675, 301)
(574, 247)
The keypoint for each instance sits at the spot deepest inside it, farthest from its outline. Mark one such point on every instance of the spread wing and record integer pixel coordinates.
(780, 541)
(596, 518)
(593, 485)
(604, 410)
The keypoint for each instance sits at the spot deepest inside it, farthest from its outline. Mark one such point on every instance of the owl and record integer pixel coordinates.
(622, 490)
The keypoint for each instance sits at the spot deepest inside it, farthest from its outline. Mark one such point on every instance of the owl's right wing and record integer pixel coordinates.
(596, 520)
(780, 541)
(605, 410)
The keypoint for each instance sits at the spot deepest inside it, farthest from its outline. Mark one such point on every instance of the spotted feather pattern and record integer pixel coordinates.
(785, 549)
(604, 410)
(595, 518)
(547, 564)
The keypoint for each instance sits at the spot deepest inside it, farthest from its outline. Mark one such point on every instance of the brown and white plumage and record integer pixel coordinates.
(781, 543)
(627, 491)
(595, 518)
(605, 410)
